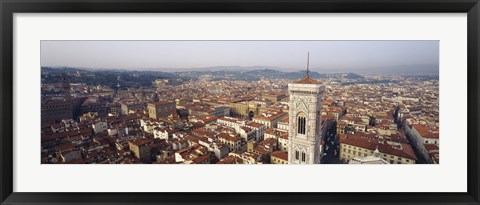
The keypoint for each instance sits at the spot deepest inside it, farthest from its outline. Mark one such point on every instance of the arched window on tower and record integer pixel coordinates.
(303, 125)
(301, 122)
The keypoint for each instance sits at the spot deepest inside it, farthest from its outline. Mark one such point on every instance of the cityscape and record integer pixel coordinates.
(240, 113)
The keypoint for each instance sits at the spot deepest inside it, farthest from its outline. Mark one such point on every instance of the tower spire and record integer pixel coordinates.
(307, 79)
(308, 64)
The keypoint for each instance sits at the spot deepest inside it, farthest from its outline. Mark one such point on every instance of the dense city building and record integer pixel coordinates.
(57, 107)
(215, 118)
(160, 109)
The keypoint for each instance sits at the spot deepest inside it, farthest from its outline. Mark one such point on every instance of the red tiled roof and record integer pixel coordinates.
(433, 151)
(281, 155)
(162, 103)
(200, 159)
(254, 124)
(371, 143)
(271, 117)
(140, 142)
(307, 80)
(425, 132)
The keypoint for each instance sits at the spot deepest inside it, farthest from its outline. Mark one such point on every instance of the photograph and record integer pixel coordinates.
(186, 102)
(250, 102)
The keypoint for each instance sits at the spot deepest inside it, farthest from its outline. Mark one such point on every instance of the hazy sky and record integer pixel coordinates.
(195, 54)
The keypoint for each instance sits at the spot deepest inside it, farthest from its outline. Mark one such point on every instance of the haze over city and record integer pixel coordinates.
(326, 56)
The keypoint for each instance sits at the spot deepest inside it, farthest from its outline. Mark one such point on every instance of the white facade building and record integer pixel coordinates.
(373, 159)
(100, 126)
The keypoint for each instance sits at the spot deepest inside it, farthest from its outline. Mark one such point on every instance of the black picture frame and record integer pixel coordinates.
(9, 7)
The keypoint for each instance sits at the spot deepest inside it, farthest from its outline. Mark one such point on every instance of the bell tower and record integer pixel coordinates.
(66, 87)
(305, 116)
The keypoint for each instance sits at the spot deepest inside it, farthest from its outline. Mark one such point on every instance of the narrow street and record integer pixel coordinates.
(331, 150)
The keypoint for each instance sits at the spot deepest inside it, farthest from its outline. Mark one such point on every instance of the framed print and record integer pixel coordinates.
(239, 102)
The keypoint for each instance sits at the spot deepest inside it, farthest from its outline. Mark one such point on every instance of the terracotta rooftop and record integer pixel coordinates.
(281, 155)
(270, 116)
(284, 120)
(162, 103)
(433, 151)
(307, 80)
(231, 159)
(140, 142)
(367, 141)
(254, 124)
(426, 132)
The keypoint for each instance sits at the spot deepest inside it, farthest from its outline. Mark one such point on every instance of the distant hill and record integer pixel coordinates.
(60, 69)
(112, 76)
(353, 76)
(397, 69)
(253, 75)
